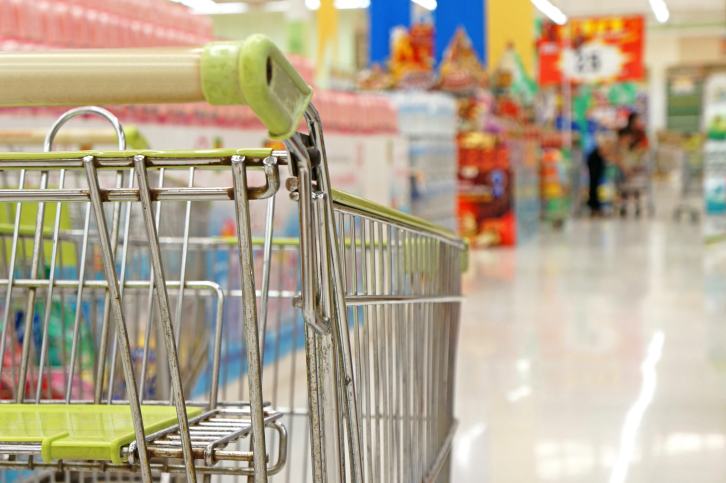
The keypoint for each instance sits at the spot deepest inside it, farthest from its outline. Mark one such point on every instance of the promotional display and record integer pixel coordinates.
(714, 191)
(460, 71)
(714, 160)
(592, 50)
(410, 65)
(714, 172)
(714, 106)
(412, 56)
(499, 188)
(486, 199)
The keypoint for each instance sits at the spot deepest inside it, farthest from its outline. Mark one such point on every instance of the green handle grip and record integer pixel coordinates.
(256, 73)
(252, 72)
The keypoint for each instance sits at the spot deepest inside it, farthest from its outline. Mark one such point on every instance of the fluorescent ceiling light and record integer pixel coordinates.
(224, 8)
(339, 4)
(199, 4)
(660, 10)
(209, 7)
(350, 4)
(427, 4)
(277, 6)
(554, 13)
(241, 7)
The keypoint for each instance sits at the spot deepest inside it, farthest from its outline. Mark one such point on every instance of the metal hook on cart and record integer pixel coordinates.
(79, 111)
(272, 181)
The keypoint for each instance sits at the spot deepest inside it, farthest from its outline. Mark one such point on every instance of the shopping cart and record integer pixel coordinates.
(363, 306)
(636, 184)
(691, 192)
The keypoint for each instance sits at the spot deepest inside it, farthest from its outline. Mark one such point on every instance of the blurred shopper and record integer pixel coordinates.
(596, 164)
(634, 128)
(621, 160)
(630, 157)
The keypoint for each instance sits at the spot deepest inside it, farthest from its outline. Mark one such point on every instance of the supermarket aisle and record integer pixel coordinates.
(592, 355)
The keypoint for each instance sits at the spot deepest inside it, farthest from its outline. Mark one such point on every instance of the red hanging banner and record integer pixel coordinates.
(605, 49)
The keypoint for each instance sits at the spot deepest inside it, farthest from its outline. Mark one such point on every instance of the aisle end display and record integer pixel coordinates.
(499, 187)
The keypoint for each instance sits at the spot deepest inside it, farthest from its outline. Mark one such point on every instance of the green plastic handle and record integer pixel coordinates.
(252, 71)
(256, 73)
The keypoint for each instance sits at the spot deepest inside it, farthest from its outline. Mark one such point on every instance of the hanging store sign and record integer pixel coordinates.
(591, 50)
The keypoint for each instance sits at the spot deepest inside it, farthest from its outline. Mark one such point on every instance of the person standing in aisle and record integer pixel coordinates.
(632, 147)
(638, 138)
(596, 163)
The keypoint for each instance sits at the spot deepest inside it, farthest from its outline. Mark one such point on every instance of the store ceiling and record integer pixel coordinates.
(682, 11)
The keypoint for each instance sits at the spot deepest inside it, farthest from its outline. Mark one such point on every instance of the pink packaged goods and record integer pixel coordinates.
(53, 24)
(102, 23)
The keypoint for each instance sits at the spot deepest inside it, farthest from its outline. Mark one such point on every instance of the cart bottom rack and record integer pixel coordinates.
(106, 433)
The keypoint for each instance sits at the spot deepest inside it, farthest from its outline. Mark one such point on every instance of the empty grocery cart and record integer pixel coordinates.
(691, 179)
(162, 372)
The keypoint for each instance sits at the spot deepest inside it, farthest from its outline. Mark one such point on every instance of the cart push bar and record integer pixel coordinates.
(252, 72)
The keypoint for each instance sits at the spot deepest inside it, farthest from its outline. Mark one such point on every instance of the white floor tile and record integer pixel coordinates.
(594, 354)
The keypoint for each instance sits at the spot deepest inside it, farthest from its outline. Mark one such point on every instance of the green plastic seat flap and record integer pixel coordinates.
(81, 431)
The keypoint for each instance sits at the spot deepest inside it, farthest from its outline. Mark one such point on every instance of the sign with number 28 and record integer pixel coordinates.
(591, 50)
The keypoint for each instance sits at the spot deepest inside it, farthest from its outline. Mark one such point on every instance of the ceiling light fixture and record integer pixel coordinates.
(427, 4)
(224, 8)
(204, 5)
(554, 13)
(660, 9)
(339, 4)
(241, 7)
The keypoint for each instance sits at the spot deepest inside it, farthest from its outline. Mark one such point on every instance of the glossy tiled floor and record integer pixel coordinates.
(595, 354)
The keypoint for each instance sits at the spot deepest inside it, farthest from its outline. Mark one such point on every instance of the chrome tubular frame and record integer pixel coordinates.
(376, 286)
(203, 442)
(379, 295)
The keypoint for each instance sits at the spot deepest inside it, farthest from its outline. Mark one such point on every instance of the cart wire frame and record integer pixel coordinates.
(395, 281)
(192, 434)
(379, 294)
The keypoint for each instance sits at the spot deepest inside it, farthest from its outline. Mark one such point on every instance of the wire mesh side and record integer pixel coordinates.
(403, 296)
(81, 363)
(78, 255)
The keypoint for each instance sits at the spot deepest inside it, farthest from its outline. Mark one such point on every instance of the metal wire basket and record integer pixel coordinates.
(107, 259)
